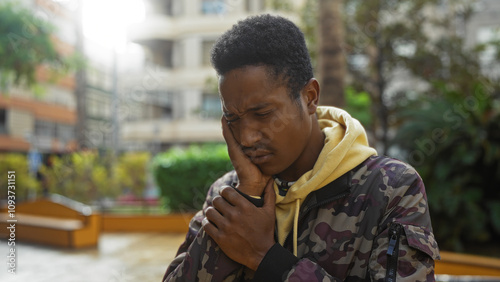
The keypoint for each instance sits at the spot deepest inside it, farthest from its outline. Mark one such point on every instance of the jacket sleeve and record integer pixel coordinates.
(406, 206)
(199, 258)
(414, 245)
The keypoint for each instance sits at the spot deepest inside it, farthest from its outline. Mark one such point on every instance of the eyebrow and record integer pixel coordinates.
(252, 109)
(259, 107)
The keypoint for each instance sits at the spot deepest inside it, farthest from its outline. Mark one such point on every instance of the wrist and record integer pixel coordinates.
(257, 259)
(250, 190)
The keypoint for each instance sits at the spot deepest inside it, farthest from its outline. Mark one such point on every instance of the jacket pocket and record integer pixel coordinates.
(422, 239)
(418, 238)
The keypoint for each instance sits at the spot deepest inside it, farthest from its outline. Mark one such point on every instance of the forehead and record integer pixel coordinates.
(244, 87)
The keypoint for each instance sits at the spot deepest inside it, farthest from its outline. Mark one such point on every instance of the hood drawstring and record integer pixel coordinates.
(295, 226)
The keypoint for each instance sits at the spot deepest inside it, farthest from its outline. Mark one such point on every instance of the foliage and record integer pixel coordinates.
(279, 5)
(82, 176)
(444, 109)
(25, 183)
(131, 172)
(453, 139)
(184, 176)
(25, 43)
(450, 133)
(358, 106)
(308, 24)
(86, 176)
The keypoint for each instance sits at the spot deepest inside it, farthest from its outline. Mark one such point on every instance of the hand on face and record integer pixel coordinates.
(244, 232)
(251, 179)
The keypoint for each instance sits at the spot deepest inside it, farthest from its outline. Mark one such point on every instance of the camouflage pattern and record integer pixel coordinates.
(342, 231)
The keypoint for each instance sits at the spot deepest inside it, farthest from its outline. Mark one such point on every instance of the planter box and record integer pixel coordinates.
(174, 223)
(462, 264)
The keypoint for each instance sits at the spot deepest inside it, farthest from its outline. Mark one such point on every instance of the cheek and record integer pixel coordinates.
(236, 132)
(279, 124)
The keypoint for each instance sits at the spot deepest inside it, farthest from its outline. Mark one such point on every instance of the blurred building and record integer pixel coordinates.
(178, 86)
(43, 121)
(483, 27)
(73, 111)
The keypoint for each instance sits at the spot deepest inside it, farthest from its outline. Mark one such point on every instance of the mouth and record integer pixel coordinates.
(259, 157)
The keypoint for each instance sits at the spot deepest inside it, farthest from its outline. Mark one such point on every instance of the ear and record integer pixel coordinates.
(310, 95)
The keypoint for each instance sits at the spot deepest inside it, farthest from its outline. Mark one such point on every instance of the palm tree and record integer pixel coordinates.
(331, 59)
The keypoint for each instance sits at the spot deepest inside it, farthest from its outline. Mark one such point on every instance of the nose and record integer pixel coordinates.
(248, 134)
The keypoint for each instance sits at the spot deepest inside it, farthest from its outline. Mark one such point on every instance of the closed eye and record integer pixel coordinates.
(230, 118)
(264, 114)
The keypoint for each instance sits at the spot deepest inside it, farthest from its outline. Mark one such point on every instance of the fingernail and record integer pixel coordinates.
(204, 222)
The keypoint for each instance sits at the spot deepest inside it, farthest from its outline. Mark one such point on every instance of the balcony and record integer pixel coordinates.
(168, 28)
(172, 131)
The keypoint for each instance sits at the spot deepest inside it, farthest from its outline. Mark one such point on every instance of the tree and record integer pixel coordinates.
(131, 173)
(25, 182)
(453, 139)
(25, 44)
(451, 134)
(445, 110)
(331, 59)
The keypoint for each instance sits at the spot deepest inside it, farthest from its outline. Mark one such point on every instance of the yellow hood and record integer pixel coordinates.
(346, 146)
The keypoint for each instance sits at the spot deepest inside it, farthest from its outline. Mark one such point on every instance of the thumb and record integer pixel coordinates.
(269, 194)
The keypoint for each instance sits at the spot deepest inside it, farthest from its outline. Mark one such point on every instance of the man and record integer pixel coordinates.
(308, 200)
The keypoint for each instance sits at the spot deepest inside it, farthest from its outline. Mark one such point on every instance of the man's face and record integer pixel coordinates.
(271, 128)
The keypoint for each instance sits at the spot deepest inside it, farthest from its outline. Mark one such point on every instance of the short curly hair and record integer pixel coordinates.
(268, 40)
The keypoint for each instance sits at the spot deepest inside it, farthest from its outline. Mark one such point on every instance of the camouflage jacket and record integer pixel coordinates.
(351, 230)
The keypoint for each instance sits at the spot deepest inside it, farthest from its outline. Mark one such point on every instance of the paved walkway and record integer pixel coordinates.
(120, 257)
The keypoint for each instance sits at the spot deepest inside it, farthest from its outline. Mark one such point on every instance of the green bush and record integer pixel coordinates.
(25, 183)
(184, 176)
(88, 176)
(81, 176)
(358, 106)
(453, 140)
(131, 172)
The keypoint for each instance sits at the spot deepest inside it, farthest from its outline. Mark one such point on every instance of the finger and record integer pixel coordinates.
(215, 218)
(238, 158)
(232, 197)
(221, 205)
(210, 229)
(269, 194)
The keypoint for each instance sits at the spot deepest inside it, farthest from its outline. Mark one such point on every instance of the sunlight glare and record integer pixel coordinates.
(106, 21)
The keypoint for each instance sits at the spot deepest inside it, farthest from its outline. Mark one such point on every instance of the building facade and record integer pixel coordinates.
(179, 85)
(43, 121)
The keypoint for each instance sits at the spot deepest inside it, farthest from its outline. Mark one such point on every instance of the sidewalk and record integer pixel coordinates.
(120, 257)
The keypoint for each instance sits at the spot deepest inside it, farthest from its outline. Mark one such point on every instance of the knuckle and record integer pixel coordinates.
(217, 201)
(209, 212)
(225, 192)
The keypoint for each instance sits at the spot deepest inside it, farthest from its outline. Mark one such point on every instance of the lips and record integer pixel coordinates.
(259, 156)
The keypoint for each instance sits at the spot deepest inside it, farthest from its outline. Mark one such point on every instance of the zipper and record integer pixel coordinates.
(393, 252)
(303, 214)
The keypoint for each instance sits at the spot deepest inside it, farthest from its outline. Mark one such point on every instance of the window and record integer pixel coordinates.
(45, 128)
(213, 7)
(206, 49)
(3, 121)
(162, 51)
(98, 106)
(210, 107)
(65, 132)
(164, 7)
(254, 6)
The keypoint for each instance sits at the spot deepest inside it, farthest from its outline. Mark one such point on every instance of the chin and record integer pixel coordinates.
(269, 169)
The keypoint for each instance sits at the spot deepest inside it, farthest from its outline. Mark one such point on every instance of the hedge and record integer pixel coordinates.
(184, 175)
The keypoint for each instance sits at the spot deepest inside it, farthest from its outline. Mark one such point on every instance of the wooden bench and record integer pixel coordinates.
(55, 221)
(465, 264)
